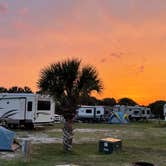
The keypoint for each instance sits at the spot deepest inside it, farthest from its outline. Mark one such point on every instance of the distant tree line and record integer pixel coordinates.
(88, 100)
(16, 89)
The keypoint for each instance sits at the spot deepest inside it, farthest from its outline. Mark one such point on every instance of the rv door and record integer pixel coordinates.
(44, 113)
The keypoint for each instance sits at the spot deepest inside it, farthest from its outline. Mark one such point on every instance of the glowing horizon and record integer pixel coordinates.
(125, 41)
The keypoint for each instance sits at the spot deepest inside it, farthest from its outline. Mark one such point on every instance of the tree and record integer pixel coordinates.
(66, 81)
(88, 100)
(157, 108)
(3, 90)
(127, 101)
(27, 89)
(108, 101)
(16, 89)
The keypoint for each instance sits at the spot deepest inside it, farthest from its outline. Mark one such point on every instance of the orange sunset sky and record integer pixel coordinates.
(124, 39)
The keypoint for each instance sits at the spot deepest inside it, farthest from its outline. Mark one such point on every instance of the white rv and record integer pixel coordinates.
(134, 112)
(90, 113)
(138, 112)
(25, 109)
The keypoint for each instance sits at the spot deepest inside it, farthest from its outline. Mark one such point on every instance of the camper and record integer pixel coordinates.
(26, 109)
(134, 112)
(138, 112)
(90, 113)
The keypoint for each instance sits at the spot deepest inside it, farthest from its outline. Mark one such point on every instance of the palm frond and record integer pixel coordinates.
(89, 80)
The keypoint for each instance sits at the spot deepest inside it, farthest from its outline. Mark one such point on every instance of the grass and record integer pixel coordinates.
(142, 141)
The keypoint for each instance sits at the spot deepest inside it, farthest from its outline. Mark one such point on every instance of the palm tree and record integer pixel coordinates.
(66, 81)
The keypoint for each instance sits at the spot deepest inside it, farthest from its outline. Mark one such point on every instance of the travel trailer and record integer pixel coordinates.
(90, 113)
(134, 112)
(26, 109)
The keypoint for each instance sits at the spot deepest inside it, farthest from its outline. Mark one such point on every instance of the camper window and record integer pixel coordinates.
(29, 105)
(44, 105)
(98, 112)
(143, 111)
(136, 112)
(88, 111)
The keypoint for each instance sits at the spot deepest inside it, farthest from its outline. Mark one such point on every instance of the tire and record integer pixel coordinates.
(29, 126)
(12, 126)
(4, 123)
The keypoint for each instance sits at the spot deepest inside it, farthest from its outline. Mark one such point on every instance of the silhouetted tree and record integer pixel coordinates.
(27, 89)
(127, 101)
(88, 100)
(66, 81)
(108, 102)
(16, 89)
(157, 108)
(3, 90)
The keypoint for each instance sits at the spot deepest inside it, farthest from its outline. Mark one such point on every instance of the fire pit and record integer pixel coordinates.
(142, 164)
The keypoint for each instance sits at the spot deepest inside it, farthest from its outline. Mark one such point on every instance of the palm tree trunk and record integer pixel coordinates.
(68, 135)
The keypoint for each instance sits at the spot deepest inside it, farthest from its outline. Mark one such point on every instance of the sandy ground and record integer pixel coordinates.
(38, 137)
(11, 155)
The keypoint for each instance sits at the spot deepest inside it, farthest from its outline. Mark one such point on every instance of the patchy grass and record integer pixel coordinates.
(142, 141)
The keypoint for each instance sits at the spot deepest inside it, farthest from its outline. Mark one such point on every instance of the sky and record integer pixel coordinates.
(124, 39)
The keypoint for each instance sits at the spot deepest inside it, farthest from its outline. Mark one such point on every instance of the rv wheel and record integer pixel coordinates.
(29, 126)
(12, 126)
(130, 117)
(4, 123)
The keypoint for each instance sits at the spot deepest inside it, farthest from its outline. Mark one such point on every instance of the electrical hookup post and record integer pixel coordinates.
(26, 150)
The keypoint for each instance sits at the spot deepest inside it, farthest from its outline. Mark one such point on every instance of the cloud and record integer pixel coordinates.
(141, 69)
(116, 55)
(3, 7)
(103, 60)
(135, 69)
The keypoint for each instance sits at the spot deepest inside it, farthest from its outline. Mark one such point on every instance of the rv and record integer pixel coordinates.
(18, 109)
(134, 112)
(90, 113)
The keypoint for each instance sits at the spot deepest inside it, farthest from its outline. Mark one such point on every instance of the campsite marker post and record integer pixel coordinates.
(26, 150)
